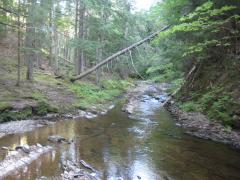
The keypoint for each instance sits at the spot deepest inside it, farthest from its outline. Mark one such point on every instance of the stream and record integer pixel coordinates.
(147, 145)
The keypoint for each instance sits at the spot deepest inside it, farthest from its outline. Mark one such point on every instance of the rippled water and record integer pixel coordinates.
(147, 146)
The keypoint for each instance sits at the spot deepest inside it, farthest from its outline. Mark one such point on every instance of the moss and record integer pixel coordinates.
(44, 105)
(43, 108)
(90, 94)
(190, 106)
(4, 106)
(38, 96)
(47, 79)
(16, 115)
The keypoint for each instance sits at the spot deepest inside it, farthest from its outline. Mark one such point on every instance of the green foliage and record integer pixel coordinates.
(15, 115)
(175, 85)
(190, 107)
(43, 105)
(161, 73)
(91, 95)
(220, 110)
(202, 20)
(4, 106)
(216, 103)
(38, 96)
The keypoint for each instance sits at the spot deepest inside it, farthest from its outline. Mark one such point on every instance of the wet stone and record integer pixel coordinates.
(57, 139)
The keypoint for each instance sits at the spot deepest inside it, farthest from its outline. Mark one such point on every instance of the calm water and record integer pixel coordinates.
(149, 146)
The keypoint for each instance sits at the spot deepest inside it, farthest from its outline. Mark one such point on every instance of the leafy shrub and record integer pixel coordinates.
(4, 106)
(190, 107)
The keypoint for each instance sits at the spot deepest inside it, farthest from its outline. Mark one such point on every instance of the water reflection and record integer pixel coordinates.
(122, 148)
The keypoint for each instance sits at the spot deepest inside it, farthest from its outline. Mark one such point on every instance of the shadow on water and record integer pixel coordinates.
(147, 146)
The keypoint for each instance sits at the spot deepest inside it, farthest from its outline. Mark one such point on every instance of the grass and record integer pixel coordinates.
(47, 79)
(4, 106)
(87, 94)
(38, 96)
(90, 94)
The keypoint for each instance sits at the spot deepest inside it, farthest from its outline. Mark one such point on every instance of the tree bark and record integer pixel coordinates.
(80, 63)
(19, 39)
(30, 42)
(76, 36)
(51, 58)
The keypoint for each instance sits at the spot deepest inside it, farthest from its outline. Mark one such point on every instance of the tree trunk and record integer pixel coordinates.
(19, 39)
(105, 61)
(80, 63)
(30, 41)
(76, 36)
(51, 58)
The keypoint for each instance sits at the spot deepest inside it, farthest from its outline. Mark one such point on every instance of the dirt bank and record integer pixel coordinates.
(198, 125)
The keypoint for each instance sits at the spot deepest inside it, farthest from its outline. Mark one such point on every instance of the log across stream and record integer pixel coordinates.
(147, 145)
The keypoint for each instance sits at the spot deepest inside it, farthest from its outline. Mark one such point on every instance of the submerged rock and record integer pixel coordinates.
(24, 148)
(57, 139)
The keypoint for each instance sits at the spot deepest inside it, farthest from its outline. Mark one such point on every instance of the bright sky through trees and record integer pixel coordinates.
(144, 4)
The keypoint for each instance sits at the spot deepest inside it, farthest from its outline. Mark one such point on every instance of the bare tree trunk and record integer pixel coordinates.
(19, 39)
(98, 70)
(76, 35)
(80, 66)
(51, 58)
(30, 42)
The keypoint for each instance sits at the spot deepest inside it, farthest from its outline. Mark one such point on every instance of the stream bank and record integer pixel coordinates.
(16, 127)
(198, 125)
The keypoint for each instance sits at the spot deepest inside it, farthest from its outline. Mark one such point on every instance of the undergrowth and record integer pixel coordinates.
(89, 94)
(215, 103)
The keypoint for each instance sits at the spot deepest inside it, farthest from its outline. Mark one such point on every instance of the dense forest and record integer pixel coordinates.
(201, 45)
(57, 56)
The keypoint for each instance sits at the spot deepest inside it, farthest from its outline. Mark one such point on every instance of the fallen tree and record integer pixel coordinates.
(105, 61)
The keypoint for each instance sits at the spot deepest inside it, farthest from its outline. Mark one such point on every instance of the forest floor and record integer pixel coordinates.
(48, 96)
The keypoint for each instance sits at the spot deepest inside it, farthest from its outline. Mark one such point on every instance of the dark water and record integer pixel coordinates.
(149, 147)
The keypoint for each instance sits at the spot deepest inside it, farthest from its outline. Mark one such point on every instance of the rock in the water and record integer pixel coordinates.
(39, 145)
(86, 165)
(24, 148)
(73, 171)
(57, 139)
(5, 148)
